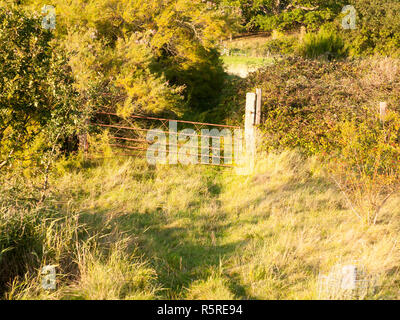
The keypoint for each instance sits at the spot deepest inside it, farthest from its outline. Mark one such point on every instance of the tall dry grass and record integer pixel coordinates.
(130, 231)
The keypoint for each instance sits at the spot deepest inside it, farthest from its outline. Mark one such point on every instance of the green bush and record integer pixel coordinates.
(326, 43)
(378, 28)
(290, 20)
(37, 97)
(305, 100)
(331, 109)
(366, 163)
(377, 25)
(281, 45)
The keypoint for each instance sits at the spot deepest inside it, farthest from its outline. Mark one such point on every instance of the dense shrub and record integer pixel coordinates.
(37, 98)
(292, 20)
(378, 28)
(326, 43)
(285, 15)
(366, 163)
(284, 45)
(155, 57)
(377, 22)
(305, 100)
(330, 109)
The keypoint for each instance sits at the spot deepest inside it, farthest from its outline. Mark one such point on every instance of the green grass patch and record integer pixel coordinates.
(248, 61)
(203, 233)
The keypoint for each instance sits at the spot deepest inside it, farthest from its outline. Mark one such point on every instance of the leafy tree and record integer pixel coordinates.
(286, 15)
(378, 28)
(37, 100)
(154, 56)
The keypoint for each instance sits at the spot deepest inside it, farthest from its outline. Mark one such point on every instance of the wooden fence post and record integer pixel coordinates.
(249, 133)
(252, 119)
(250, 112)
(258, 107)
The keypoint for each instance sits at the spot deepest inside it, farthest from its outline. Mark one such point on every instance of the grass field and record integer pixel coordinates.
(249, 61)
(206, 233)
(247, 54)
(242, 65)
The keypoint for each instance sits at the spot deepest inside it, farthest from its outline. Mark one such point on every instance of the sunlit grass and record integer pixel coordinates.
(205, 233)
(242, 65)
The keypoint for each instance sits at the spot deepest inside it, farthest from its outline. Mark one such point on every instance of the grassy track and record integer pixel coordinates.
(205, 233)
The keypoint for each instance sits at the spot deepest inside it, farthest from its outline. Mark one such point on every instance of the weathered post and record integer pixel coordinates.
(252, 119)
(249, 131)
(258, 107)
(250, 112)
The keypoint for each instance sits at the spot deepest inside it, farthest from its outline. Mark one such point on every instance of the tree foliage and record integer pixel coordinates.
(36, 93)
(286, 15)
(378, 28)
(154, 56)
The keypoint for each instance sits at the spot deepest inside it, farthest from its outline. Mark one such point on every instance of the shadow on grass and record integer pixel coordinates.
(183, 246)
(290, 187)
(183, 253)
(187, 246)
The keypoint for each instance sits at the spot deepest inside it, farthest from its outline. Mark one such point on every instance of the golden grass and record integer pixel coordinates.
(204, 233)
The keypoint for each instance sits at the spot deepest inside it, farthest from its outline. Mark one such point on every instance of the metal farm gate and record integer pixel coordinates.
(129, 136)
